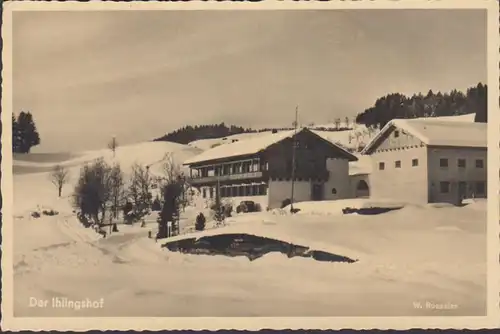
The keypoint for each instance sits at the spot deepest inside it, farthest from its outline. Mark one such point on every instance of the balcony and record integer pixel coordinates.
(300, 174)
(226, 178)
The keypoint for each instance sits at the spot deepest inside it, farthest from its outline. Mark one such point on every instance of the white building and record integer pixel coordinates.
(428, 160)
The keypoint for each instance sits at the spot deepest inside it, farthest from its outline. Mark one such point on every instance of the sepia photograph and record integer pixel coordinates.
(280, 162)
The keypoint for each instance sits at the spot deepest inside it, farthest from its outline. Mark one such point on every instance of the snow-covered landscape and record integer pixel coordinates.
(404, 258)
(287, 165)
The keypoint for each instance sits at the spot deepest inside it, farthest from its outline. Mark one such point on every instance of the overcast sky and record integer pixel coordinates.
(87, 76)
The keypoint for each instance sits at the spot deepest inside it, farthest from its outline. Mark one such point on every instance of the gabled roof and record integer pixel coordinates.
(433, 132)
(254, 145)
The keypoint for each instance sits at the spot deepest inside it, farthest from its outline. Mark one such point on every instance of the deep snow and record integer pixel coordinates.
(417, 254)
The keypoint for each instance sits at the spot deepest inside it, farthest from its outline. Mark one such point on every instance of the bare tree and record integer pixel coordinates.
(59, 177)
(172, 174)
(112, 145)
(117, 189)
(347, 121)
(170, 169)
(139, 190)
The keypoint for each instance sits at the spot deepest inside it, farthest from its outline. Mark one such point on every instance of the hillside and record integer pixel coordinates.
(32, 171)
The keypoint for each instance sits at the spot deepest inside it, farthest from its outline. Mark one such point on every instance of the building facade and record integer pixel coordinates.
(262, 168)
(429, 161)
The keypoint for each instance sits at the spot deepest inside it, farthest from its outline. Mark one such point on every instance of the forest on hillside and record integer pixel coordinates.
(454, 103)
(190, 133)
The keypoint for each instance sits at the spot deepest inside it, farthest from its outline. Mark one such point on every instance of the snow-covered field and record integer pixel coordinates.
(414, 255)
(408, 257)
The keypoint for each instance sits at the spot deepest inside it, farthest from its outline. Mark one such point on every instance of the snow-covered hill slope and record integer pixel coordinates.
(33, 187)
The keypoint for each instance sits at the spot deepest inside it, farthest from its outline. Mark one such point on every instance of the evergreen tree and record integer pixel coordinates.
(432, 104)
(15, 135)
(28, 134)
(200, 222)
(170, 210)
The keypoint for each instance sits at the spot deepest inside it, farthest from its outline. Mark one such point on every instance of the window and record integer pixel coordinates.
(397, 164)
(479, 163)
(381, 166)
(444, 187)
(334, 191)
(414, 162)
(443, 162)
(480, 188)
(396, 134)
(461, 163)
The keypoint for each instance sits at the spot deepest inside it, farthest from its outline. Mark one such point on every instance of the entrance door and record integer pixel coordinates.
(462, 190)
(317, 192)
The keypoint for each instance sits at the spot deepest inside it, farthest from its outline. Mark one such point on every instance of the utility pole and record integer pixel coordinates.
(295, 123)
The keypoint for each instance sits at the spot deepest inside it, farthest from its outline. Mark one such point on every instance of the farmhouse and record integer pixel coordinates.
(261, 166)
(428, 161)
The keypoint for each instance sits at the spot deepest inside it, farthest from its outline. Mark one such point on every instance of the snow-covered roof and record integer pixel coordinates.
(433, 132)
(251, 146)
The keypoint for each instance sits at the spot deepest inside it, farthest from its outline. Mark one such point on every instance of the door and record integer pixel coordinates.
(317, 192)
(462, 190)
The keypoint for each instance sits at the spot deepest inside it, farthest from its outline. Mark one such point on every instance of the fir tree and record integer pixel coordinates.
(28, 134)
(16, 136)
(200, 222)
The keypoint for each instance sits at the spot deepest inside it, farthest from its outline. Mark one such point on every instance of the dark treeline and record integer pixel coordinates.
(432, 104)
(190, 133)
(24, 133)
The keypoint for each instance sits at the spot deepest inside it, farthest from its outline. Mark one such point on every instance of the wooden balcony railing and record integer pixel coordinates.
(274, 174)
(225, 178)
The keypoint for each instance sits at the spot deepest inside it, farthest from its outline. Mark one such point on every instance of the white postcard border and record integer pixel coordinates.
(9, 322)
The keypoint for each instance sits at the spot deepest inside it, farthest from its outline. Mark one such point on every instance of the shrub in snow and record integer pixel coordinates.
(219, 215)
(35, 214)
(50, 212)
(200, 222)
(286, 203)
(228, 209)
(258, 207)
(98, 191)
(83, 219)
(242, 208)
